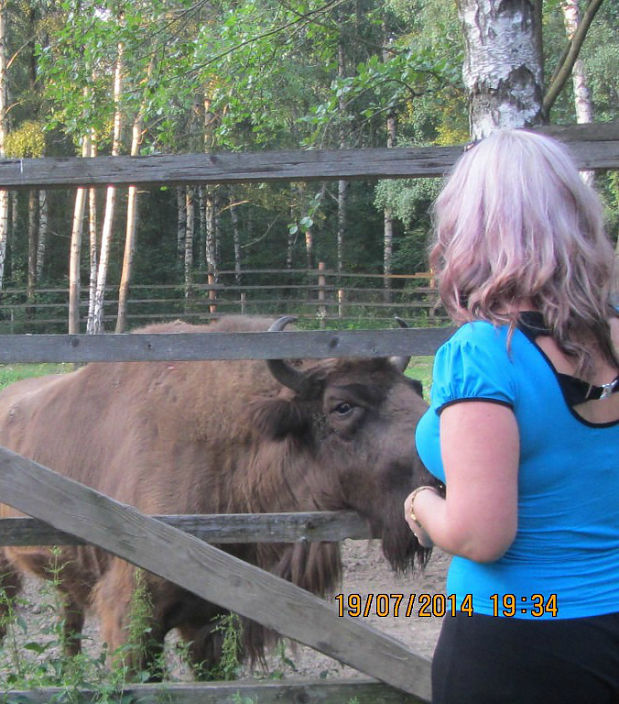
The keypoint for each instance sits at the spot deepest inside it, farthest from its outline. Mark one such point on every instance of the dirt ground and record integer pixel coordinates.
(365, 572)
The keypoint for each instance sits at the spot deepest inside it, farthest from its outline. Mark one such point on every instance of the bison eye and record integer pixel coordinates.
(344, 408)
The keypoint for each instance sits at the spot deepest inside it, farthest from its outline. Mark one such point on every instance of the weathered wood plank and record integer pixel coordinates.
(593, 146)
(230, 167)
(243, 345)
(364, 691)
(208, 572)
(224, 528)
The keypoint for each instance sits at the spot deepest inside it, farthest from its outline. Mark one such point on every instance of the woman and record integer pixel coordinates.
(523, 429)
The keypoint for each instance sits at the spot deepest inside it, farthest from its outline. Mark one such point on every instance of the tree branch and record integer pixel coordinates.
(569, 56)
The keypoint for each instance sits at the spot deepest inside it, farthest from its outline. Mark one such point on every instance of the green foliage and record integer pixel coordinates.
(257, 75)
(27, 141)
(231, 629)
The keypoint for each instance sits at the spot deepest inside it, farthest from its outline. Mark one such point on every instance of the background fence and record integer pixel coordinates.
(317, 296)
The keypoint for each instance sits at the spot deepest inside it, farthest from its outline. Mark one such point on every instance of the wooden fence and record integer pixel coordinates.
(318, 296)
(73, 513)
(399, 674)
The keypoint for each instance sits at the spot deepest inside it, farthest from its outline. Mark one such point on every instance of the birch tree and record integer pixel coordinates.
(132, 212)
(4, 194)
(95, 324)
(42, 241)
(75, 253)
(582, 98)
(503, 68)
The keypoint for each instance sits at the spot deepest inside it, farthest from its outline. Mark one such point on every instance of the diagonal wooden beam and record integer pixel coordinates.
(208, 572)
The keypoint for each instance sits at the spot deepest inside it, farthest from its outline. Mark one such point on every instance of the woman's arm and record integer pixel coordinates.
(479, 516)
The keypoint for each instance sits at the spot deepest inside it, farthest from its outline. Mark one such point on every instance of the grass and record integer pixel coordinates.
(9, 373)
(421, 368)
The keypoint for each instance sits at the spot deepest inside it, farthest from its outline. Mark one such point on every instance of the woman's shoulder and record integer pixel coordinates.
(478, 332)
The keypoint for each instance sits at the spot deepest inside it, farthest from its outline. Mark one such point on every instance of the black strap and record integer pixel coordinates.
(575, 390)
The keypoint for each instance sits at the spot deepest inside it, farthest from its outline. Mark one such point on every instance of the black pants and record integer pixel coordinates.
(484, 660)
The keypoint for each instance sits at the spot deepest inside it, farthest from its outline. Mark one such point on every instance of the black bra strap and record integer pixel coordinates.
(575, 390)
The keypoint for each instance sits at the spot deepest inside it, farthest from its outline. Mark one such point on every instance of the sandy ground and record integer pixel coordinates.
(366, 572)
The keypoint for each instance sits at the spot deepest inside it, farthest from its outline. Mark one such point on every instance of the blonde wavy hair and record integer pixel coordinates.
(516, 223)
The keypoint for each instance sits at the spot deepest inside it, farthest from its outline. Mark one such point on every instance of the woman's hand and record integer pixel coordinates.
(418, 530)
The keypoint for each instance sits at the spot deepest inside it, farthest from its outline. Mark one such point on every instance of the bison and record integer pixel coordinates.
(216, 437)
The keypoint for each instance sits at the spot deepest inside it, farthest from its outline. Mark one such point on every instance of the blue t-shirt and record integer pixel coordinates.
(567, 542)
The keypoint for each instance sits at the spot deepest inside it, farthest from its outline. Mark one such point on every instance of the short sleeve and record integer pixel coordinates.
(472, 365)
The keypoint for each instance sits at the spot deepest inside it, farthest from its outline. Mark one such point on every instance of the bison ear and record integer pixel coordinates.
(276, 417)
(418, 386)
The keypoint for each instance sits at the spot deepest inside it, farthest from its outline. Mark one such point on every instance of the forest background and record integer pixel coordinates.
(85, 78)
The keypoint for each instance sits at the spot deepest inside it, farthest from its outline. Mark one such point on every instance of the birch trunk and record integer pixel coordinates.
(236, 241)
(93, 243)
(189, 232)
(582, 98)
(503, 63)
(42, 243)
(74, 261)
(31, 279)
(387, 215)
(210, 228)
(292, 236)
(97, 325)
(388, 221)
(181, 222)
(4, 194)
(132, 217)
(342, 185)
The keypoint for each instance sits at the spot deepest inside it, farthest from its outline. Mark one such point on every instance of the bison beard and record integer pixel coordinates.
(217, 437)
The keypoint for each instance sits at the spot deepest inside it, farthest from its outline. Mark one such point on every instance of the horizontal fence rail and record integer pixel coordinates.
(342, 691)
(315, 344)
(594, 146)
(310, 526)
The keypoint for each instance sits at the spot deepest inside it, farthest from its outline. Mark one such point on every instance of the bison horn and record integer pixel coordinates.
(401, 362)
(282, 371)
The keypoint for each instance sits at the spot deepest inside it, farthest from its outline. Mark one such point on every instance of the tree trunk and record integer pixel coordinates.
(110, 206)
(503, 64)
(31, 279)
(74, 261)
(342, 185)
(130, 245)
(76, 250)
(210, 228)
(132, 216)
(582, 98)
(342, 202)
(4, 194)
(388, 221)
(292, 236)
(93, 246)
(189, 232)
(236, 240)
(387, 216)
(181, 222)
(42, 243)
